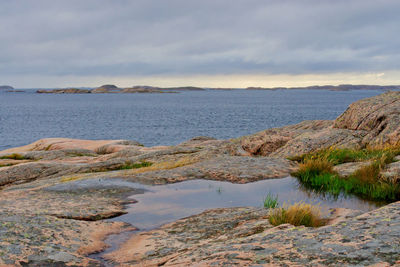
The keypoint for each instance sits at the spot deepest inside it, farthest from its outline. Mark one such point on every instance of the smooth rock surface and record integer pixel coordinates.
(244, 237)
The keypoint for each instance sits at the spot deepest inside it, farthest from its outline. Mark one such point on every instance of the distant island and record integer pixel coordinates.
(6, 87)
(109, 88)
(342, 87)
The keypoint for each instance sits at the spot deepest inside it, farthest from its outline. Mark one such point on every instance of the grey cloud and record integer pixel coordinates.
(144, 37)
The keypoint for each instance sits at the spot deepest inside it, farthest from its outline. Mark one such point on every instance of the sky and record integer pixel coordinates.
(208, 43)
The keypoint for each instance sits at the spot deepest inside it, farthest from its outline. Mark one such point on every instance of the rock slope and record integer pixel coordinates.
(372, 121)
(244, 237)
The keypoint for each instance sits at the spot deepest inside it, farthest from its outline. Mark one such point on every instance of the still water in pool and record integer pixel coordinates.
(166, 203)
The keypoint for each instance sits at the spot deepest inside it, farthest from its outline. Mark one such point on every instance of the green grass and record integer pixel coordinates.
(335, 185)
(297, 214)
(74, 154)
(5, 165)
(316, 172)
(338, 156)
(271, 201)
(13, 156)
(128, 165)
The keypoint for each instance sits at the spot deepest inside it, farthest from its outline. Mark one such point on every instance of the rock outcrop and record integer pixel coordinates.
(379, 116)
(244, 237)
(373, 121)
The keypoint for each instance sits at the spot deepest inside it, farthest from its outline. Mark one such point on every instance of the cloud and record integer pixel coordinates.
(209, 37)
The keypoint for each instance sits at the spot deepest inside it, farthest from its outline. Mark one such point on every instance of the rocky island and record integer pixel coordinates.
(6, 88)
(109, 88)
(55, 196)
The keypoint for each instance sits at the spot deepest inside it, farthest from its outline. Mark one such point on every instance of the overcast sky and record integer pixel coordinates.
(227, 43)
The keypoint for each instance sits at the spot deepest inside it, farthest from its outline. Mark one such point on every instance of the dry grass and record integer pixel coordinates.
(369, 173)
(297, 214)
(67, 179)
(313, 167)
(103, 150)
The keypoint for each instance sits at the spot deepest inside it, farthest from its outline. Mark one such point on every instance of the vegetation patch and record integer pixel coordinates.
(339, 156)
(297, 214)
(6, 165)
(271, 201)
(76, 154)
(128, 165)
(316, 172)
(14, 156)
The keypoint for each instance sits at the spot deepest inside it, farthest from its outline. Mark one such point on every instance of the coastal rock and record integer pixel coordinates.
(367, 122)
(378, 115)
(58, 154)
(268, 141)
(25, 172)
(238, 169)
(47, 224)
(244, 237)
(68, 143)
(10, 162)
(234, 169)
(316, 140)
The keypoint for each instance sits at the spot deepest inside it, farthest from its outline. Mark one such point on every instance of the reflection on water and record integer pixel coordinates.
(167, 203)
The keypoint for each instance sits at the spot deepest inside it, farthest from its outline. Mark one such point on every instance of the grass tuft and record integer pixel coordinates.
(5, 165)
(15, 156)
(128, 165)
(313, 167)
(297, 214)
(338, 156)
(316, 172)
(271, 201)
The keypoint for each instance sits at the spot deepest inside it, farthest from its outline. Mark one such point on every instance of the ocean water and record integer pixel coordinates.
(162, 119)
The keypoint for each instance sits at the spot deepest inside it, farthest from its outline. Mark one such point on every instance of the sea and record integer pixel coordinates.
(163, 119)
